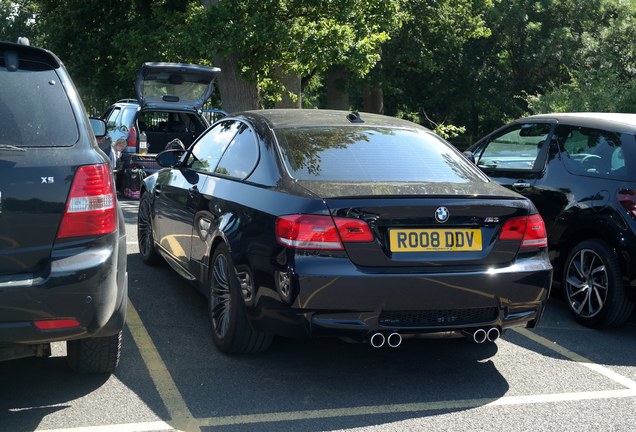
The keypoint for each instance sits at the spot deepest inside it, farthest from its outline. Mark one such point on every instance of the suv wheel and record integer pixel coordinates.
(593, 285)
(231, 329)
(97, 355)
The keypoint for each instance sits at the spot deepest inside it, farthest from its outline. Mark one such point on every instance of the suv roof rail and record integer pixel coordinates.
(127, 101)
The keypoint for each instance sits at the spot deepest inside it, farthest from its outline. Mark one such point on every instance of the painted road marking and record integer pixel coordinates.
(182, 419)
(175, 404)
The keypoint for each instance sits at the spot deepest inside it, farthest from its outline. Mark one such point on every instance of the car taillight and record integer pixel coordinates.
(56, 324)
(627, 199)
(131, 141)
(529, 229)
(90, 208)
(320, 232)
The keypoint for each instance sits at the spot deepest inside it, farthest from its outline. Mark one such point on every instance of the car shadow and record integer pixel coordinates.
(431, 376)
(34, 388)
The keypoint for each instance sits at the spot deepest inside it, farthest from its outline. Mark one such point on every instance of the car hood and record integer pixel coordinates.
(175, 86)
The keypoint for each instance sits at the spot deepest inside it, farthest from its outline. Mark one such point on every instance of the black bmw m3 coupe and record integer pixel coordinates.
(327, 223)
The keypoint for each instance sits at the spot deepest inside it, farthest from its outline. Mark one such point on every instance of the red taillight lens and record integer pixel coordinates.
(627, 199)
(131, 141)
(90, 209)
(56, 324)
(529, 229)
(320, 232)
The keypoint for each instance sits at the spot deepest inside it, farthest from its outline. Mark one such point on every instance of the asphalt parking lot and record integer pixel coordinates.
(559, 377)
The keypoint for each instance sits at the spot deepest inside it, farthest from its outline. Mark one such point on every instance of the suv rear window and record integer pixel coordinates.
(34, 108)
(334, 153)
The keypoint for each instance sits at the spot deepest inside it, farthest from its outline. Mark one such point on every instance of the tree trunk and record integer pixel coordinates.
(292, 85)
(373, 97)
(337, 84)
(237, 94)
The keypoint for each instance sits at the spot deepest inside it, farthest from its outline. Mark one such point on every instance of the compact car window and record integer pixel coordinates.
(128, 117)
(241, 156)
(111, 122)
(594, 152)
(35, 110)
(367, 154)
(207, 151)
(516, 148)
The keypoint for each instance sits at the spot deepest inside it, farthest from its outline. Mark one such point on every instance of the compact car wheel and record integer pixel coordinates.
(145, 235)
(231, 330)
(594, 287)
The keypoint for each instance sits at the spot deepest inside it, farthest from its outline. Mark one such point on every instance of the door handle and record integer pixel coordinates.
(520, 185)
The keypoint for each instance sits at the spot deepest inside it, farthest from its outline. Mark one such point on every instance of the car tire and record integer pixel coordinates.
(593, 285)
(145, 232)
(98, 355)
(231, 330)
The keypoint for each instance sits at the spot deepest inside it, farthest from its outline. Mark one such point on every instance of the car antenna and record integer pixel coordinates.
(354, 117)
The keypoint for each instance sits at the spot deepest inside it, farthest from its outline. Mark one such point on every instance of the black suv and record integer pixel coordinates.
(579, 169)
(62, 235)
(168, 107)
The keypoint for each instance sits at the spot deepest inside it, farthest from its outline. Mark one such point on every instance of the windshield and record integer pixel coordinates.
(371, 154)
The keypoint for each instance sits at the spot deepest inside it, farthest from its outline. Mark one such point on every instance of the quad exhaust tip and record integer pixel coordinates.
(378, 340)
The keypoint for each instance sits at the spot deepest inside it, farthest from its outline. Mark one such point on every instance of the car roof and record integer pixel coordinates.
(286, 118)
(590, 119)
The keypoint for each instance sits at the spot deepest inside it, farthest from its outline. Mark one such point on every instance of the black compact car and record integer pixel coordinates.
(579, 170)
(62, 235)
(170, 97)
(326, 223)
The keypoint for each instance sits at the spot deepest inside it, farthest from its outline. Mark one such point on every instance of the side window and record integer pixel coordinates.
(591, 151)
(207, 151)
(515, 148)
(241, 156)
(111, 121)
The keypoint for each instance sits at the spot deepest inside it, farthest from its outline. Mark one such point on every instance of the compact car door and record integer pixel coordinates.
(177, 191)
(516, 156)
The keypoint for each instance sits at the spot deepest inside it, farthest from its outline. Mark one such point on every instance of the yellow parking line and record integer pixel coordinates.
(622, 380)
(180, 415)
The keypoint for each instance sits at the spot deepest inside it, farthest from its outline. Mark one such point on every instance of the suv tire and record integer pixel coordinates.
(98, 355)
(593, 285)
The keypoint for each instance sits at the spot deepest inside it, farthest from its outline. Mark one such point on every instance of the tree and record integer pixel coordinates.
(19, 20)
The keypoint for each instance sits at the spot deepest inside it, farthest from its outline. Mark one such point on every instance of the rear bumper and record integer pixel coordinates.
(334, 298)
(88, 285)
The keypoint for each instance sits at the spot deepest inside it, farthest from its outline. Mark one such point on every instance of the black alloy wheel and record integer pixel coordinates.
(145, 234)
(231, 329)
(594, 287)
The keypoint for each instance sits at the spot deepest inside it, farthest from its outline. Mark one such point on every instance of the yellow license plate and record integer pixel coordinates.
(435, 240)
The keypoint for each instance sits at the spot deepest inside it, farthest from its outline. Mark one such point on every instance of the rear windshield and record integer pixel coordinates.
(34, 108)
(362, 154)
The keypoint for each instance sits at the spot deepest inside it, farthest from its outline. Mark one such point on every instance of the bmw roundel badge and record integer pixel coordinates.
(441, 214)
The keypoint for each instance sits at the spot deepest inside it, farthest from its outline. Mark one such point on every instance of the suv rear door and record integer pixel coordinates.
(175, 86)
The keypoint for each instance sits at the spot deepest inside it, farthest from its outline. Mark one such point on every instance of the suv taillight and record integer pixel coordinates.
(131, 141)
(529, 229)
(90, 209)
(320, 232)
(627, 199)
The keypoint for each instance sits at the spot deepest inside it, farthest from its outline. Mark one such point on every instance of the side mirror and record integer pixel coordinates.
(99, 127)
(470, 156)
(169, 158)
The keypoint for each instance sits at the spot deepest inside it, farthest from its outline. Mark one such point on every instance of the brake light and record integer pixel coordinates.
(56, 324)
(320, 232)
(131, 141)
(530, 230)
(90, 208)
(627, 199)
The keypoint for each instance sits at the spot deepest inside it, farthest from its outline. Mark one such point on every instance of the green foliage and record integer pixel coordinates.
(19, 19)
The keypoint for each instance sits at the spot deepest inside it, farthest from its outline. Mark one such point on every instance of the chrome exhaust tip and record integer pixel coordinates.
(493, 334)
(480, 336)
(377, 340)
(394, 340)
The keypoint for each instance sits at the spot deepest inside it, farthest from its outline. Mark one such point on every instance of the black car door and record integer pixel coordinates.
(177, 191)
(516, 155)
